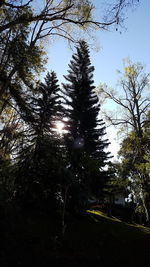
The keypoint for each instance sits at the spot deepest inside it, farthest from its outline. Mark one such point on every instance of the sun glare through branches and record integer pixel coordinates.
(60, 127)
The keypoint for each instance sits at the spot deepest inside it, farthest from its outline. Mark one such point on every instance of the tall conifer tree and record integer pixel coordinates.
(86, 130)
(41, 161)
(47, 104)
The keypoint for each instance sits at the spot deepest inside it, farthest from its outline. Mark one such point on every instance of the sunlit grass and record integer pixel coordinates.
(100, 215)
(103, 215)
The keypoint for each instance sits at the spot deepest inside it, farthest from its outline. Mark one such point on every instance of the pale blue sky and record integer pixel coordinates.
(134, 42)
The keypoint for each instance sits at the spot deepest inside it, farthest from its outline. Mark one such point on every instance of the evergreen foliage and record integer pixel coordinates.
(85, 130)
(40, 159)
(47, 105)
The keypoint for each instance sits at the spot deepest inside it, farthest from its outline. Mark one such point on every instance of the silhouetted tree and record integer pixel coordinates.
(85, 130)
(46, 105)
(41, 158)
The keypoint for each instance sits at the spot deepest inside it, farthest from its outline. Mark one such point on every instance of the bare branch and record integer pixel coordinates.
(14, 6)
(134, 102)
(63, 15)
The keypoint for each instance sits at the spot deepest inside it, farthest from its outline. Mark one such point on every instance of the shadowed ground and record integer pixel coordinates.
(34, 239)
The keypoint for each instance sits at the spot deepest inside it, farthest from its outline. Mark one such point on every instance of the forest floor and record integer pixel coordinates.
(34, 240)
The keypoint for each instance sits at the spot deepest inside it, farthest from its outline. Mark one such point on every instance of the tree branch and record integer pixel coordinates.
(14, 6)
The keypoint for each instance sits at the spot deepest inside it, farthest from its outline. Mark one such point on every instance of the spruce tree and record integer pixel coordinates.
(41, 160)
(47, 104)
(85, 130)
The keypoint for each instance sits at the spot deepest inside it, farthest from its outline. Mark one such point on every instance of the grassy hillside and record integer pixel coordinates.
(35, 240)
(109, 241)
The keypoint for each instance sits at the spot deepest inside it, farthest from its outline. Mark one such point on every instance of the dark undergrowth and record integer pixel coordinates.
(34, 238)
